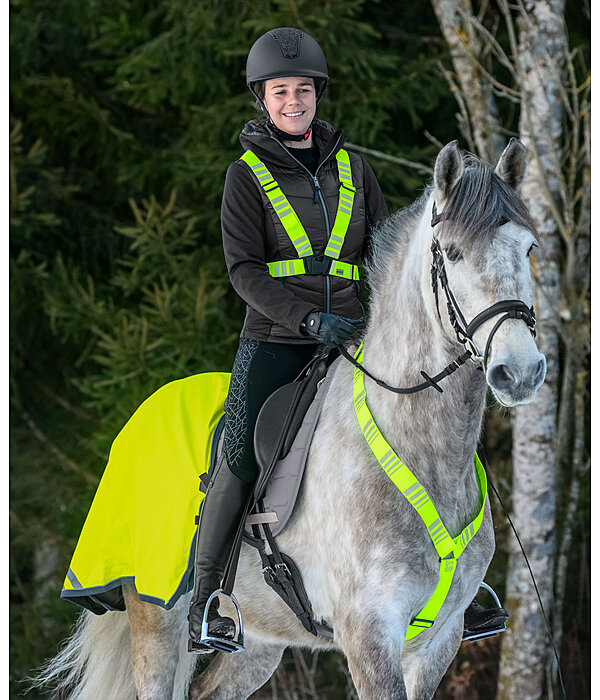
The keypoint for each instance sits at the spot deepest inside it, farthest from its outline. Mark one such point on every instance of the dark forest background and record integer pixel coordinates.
(124, 116)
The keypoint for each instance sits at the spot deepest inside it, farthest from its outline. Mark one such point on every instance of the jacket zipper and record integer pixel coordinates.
(318, 198)
(328, 226)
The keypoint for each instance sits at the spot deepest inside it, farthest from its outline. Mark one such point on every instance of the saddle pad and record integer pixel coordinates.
(140, 527)
(283, 486)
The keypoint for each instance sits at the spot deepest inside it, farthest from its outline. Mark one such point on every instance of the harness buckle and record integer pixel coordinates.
(422, 622)
(317, 264)
(270, 572)
(269, 186)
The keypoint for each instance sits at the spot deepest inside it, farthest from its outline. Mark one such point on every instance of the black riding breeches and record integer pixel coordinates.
(259, 369)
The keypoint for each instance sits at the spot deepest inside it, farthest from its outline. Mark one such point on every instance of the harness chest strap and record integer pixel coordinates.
(330, 264)
(449, 549)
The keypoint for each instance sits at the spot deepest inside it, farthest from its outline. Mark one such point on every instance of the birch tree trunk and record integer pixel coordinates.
(477, 109)
(540, 58)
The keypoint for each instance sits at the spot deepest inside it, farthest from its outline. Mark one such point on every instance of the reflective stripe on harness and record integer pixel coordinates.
(283, 209)
(449, 549)
(307, 263)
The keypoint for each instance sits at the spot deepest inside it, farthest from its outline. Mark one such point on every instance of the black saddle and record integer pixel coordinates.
(281, 416)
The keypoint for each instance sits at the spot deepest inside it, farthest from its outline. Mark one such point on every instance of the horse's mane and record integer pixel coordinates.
(390, 237)
(476, 206)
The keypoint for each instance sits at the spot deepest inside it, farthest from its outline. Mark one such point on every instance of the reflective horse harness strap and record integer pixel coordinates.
(307, 263)
(449, 549)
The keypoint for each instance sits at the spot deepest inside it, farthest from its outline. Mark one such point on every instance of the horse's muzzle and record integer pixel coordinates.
(516, 383)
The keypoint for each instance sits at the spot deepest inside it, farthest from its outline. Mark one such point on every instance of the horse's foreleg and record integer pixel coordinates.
(156, 638)
(373, 659)
(237, 676)
(425, 661)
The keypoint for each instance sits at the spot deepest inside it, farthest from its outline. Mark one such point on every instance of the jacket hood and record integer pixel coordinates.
(261, 140)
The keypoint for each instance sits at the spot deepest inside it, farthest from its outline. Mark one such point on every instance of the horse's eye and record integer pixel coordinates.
(503, 221)
(531, 247)
(453, 253)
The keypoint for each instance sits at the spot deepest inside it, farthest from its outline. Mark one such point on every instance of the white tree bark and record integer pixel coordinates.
(477, 115)
(540, 58)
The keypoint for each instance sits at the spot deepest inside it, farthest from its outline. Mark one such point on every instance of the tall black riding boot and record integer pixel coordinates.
(220, 514)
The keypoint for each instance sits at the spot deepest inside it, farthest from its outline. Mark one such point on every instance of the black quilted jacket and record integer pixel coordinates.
(253, 234)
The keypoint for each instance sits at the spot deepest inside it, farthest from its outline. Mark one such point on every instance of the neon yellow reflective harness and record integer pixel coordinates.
(449, 549)
(294, 229)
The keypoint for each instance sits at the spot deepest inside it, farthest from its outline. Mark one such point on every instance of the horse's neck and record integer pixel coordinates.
(435, 434)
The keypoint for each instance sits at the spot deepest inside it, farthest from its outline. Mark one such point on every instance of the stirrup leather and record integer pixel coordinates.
(495, 626)
(231, 646)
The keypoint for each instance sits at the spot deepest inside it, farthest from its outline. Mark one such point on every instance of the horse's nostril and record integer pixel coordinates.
(501, 377)
(540, 371)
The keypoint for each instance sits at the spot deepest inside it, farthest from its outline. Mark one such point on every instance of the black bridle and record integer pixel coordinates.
(511, 308)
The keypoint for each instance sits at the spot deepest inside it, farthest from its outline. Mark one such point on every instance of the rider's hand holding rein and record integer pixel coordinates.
(329, 329)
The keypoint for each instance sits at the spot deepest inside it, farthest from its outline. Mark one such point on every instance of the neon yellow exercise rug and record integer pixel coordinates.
(140, 527)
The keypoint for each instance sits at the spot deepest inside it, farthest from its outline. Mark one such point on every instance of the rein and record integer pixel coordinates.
(511, 308)
(429, 381)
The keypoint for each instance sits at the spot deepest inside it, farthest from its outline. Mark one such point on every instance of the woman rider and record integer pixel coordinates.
(296, 217)
(288, 315)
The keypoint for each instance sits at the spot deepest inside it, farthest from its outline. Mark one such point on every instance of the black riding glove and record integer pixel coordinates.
(328, 329)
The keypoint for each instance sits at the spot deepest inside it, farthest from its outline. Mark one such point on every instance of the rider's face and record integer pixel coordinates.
(292, 103)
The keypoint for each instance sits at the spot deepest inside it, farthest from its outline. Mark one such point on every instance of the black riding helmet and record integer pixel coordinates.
(286, 52)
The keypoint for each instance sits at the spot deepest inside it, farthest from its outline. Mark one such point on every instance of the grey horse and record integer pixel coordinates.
(366, 558)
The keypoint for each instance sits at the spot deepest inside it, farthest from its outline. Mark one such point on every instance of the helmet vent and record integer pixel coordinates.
(289, 41)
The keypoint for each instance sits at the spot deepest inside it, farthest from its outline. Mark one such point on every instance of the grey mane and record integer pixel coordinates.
(391, 238)
(479, 203)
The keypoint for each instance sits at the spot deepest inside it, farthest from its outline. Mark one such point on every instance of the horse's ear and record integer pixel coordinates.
(447, 172)
(513, 164)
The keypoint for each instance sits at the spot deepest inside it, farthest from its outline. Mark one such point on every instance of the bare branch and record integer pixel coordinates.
(60, 400)
(475, 96)
(490, 40)
(421, 167)
(463, 116)
(432, 139)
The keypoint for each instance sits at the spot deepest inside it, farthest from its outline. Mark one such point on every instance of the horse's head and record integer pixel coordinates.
(483, 238)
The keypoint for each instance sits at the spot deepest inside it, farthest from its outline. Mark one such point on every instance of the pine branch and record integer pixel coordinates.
(85, 474)
(60, 400)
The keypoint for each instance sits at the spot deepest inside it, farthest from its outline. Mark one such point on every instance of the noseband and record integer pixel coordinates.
(511, 308)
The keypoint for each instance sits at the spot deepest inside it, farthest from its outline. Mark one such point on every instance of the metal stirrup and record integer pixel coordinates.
(497, 630)
(491, 591)
(232, 646)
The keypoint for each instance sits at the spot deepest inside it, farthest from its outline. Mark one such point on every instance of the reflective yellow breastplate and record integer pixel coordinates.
(449, 549)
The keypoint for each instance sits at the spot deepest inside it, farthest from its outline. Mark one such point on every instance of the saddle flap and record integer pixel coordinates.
(280, 419)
